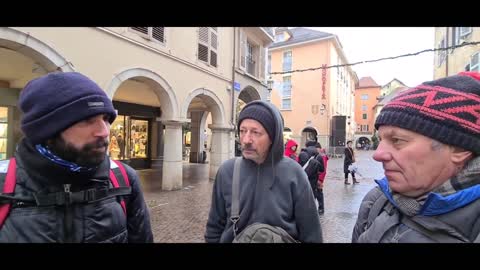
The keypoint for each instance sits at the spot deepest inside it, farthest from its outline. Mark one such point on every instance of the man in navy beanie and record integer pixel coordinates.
(430, 151)
(273, 190)
(61, 185)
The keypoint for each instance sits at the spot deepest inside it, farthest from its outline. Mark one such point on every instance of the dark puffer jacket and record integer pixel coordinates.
(390, 226)
(100, 221)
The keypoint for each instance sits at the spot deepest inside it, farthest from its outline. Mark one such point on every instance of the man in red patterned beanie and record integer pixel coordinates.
(429, 147)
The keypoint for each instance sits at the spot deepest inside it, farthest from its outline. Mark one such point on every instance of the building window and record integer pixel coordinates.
(364, 108)
(286, 103)
(475, 62)
(251, 52)
(287, 61)
(207, 45)
(287, 86)
(287, 93)
(364, 116)
(151, 33)
(364, 97)
(363, 128)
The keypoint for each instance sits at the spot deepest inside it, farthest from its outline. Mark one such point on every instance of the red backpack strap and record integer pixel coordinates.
(8, 188)
(115, 182)
(123, 171)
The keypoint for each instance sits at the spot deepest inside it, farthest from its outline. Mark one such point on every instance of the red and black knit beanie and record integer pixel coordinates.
(447, 110)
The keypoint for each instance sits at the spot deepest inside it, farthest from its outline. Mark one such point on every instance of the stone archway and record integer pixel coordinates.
(247, 95)
(23, 58)
(169, 155)
(197, 104)
(32, 47)
(308, 134)
(162, 89)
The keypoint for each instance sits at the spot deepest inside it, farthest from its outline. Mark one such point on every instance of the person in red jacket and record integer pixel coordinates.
(291, 149)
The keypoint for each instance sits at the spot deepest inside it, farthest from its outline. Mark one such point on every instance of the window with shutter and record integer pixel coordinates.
(213, 58)
(287, 61)
(151, 33)
(143, 30)
(202, 52)
(203, 34)
(158, 34)
(207, 45)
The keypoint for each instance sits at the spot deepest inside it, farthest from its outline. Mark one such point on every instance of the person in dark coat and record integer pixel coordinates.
(313, 169)
(349, 159)
(63, 191)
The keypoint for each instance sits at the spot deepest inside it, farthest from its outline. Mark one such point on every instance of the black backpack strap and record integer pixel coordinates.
(8, 169)
(83, 196)
(235, 210)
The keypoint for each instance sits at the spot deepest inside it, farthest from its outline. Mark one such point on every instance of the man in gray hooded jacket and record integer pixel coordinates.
(273, 189)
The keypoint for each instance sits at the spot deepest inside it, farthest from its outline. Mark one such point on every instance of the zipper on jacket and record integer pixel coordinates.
(68, 219)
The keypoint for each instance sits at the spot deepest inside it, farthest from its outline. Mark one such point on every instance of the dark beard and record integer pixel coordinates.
(84, 157)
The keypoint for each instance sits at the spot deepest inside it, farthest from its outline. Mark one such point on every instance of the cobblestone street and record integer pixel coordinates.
(180, 216)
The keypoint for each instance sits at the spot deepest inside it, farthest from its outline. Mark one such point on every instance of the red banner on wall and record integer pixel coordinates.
(324, 80)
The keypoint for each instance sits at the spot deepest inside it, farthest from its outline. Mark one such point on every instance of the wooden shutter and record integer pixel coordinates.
(213, 47)
(143, 30)
(158, 33)
(203, 44)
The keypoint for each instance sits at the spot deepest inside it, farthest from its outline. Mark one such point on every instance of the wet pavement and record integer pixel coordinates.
(180, 216)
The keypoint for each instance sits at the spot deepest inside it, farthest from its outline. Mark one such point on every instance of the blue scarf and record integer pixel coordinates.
(57, 160)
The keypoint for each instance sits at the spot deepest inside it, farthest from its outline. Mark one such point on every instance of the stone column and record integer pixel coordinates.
(172, 157)
(157, 161)
(196, 146)
(220, 149)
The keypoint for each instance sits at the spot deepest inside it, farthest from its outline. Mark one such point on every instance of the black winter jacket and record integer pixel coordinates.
(99, 221)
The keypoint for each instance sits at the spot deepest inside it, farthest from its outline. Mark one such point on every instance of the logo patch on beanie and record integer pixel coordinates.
(96, 104)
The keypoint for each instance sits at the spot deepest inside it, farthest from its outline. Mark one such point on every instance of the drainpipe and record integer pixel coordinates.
(446, 54)
(233, 75)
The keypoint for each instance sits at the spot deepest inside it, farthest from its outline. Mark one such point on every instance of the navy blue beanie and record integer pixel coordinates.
(54, 102)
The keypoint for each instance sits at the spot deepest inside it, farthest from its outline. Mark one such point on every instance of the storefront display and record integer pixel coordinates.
(3, 132)
(138, 138)
(136, 134)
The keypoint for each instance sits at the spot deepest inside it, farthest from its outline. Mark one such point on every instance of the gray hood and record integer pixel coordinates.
(278, 148)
